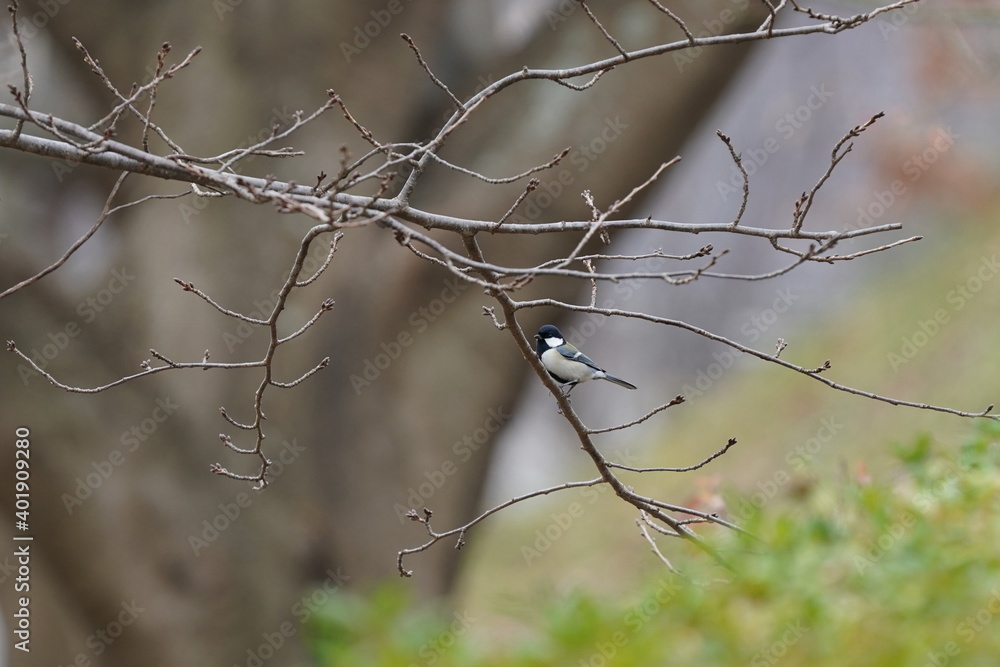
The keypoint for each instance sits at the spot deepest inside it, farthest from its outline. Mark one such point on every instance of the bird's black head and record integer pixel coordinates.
(548, 331)
(546, 335)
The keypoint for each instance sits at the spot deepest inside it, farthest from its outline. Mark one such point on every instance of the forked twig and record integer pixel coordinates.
(461, 530)
(839, 152)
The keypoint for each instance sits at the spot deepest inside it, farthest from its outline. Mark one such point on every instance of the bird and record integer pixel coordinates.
(567, 365)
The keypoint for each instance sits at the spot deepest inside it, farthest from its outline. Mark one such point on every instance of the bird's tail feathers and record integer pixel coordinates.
(618, 381)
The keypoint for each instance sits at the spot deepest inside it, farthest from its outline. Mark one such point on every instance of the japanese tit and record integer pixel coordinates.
(567, 365)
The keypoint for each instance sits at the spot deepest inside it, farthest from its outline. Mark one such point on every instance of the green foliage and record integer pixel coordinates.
(898, 573)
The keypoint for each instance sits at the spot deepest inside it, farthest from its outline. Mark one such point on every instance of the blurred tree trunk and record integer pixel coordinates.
(441, 377)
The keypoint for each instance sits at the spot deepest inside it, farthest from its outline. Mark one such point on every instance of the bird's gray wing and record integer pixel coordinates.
(570, 352)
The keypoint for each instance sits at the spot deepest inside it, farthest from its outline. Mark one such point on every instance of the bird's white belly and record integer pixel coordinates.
(570, 371)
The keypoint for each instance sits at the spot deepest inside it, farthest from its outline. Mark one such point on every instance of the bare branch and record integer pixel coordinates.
(696, 466)
(508, 179)
(584, 86)
(27, 83)
(334, 205)
(737, 159)
(644, 521)
(326, 306)
(772, 18)
(423, 63)
(127, 103)
(677, 400)
(326, 262)
(76, 246)
(461, 530)
(604, 31)
(814, 373)
(676, 19)
(804, 203)
(532, 185)
(12, 347)
(312, 371)
(189, 287)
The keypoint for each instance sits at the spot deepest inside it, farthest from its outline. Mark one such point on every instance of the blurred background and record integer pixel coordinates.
(141, 556)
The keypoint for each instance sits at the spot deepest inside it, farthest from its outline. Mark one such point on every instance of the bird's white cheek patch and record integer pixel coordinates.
(554, 342)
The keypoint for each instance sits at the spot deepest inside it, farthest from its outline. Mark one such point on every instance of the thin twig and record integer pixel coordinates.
(583, 86)
(461, 530)
(642, 522)
(189, 287)
(702, 464)
(737, 159)
(12, 347)
(105, 213)
(25, 74)
(604, 31)
(326, 262)
(532, 185)
(506, 179)
(815, 373)
(804, 203)
(423, 63)
(676, 19)
(677, 400)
